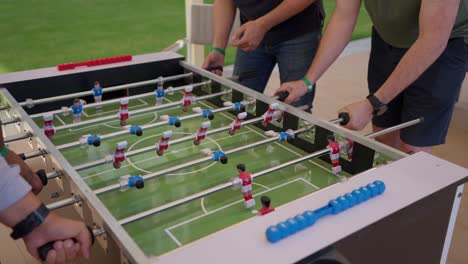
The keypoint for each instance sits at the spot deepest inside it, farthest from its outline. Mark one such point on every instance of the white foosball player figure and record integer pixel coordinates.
(119, 154)
(188, 98)
(349, 146)
(334, 153)
(163, 142)
(244, 180)
(269, 115)
(237, 123)
(201, 132)
(49, 129)
(123, 112)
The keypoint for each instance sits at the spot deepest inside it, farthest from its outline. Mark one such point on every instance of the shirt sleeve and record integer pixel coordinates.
(12, 186)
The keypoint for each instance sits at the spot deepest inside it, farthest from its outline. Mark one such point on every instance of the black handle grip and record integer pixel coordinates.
(22, 156)
(282, 95)
(344, 117)
(42, 176)
(43, 250)
(215, 68)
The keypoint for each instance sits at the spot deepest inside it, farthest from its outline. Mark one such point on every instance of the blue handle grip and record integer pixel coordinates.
(295, 224)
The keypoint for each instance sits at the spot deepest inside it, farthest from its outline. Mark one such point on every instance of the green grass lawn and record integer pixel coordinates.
(38, 34)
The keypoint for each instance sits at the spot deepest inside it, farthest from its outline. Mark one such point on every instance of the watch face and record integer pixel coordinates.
(381, 111)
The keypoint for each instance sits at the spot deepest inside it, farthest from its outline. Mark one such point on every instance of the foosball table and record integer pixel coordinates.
(169, 163)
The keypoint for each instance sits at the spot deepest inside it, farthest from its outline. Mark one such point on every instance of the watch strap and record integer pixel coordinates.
(377, 105)
(27, 225)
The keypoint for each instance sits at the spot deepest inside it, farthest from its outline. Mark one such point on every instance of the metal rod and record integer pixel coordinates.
(220, 187)
(151, 148)
(123, 132)
(144, 110)
(138, 96)
(105, 90)
(192, 163)
(33, 154)
(395, 128)
(54, 174)
(4, 107)
(126, 131)
(11, 121)
(64, 202)
(17, 137)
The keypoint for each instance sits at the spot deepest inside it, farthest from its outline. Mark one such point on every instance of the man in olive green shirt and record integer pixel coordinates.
(416, 66)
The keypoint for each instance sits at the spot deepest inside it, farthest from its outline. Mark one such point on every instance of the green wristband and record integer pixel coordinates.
(220, 50)
(308, 83)
(4, 151)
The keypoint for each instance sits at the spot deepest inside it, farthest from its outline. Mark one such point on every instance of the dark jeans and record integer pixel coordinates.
(293, 57)
(432, 95)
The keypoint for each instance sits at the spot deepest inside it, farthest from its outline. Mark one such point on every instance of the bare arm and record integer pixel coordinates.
(436, 20)
(224, 12)
(336, 37)
(250, 34)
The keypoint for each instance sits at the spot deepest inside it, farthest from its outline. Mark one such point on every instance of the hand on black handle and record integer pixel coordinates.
(42, 176)
(215, 68)
(344, 117)
(44, 250)
(282, 95)
(22, 156)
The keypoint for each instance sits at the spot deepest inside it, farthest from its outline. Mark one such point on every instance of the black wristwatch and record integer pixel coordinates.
(377, 105)
(33, 220)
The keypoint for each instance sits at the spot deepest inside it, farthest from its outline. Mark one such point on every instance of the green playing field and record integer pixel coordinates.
(167, 230)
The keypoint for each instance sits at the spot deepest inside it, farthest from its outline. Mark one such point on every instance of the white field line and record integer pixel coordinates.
(203, 205)
(60, 119)
(261, 185)
(117, 111)
(150, 158)
(116, 118)
(173, 237)
(311, 184)
(231, 204)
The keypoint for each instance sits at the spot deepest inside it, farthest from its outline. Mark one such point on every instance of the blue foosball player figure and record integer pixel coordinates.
(94, 140)
(127, 182)
(160, 92)
(77, 109)
(136, 130)
(216, 155)
(97, 92)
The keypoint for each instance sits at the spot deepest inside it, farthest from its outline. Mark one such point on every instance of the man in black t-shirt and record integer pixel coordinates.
(286, 32)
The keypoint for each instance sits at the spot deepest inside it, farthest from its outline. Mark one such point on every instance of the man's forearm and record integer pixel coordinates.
(436, 21)
(287, 9)
(224, 12)
(19, 210)
(337, 35)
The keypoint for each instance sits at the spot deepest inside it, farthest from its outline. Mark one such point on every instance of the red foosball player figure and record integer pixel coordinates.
(334, 153)
(119, 154)
(269, 115)
(201, 132)
(266, 208)
(163, 142)
(123, 113)
(187, 99)
(237, 123)
(246, 179)
(49, 129)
